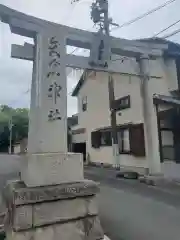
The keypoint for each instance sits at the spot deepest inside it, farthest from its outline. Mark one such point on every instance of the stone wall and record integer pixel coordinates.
(65, 211)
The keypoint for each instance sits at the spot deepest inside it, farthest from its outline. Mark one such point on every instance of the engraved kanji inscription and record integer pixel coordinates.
(54, 63)
(54, 114)
(52, 74)
(53, 43)
(54, 91)
(54, 52)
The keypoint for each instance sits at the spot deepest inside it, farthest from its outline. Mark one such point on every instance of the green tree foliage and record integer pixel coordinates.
(20, 122)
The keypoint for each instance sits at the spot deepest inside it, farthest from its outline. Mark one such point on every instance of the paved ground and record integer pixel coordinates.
(129, 210)
(133, 211)
(9, 169)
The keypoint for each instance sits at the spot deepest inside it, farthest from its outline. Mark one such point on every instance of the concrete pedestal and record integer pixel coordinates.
(65, 211)
(51, 168)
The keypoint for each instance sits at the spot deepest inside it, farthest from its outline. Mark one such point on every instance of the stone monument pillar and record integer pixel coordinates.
(47, 161)
(52, 201)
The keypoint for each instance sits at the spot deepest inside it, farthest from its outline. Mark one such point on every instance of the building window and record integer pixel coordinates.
(101, 138)
(130, 139)
(96, 139)
(137, 142)
(123, 141)
(84, 104)
(106, 138)
(122, 103)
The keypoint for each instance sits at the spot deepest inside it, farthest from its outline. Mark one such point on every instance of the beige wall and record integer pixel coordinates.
(79, 138)
(98, 115)
(170, 74)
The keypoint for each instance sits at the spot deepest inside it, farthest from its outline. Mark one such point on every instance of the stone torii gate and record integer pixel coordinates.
(48, 163)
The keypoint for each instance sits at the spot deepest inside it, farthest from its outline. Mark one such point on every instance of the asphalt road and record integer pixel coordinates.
(9, 169)
(130, 210)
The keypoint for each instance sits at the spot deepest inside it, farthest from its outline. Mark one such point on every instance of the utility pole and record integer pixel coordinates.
(10, 135)
(113, 121)
(100, 16)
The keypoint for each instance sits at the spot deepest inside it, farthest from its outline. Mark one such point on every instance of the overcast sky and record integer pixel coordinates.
(15, 75)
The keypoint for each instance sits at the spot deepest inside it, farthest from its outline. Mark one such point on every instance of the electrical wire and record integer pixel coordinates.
(165, 29)
(80, 1)
(172, 34)
(68, 14)
(143, 15)
(74, 50)
(23, 93)
(78, 47)
(73, 6)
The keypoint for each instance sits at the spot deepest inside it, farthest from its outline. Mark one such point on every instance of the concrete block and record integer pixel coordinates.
(93, 229)
(92, 205)
(51, 169)
(87, 229)
(17, 193)
(64, 210)
(23, 235)
(22, 218)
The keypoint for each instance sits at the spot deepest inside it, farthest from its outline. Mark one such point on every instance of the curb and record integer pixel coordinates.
(106, 238)
(159, 181)
(146, 180)
(128, 175)
(102, 165)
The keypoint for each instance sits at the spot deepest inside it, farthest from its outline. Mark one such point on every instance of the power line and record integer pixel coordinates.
(72, 9)
(17, 99)
(172, 34)
(73, 3)
(165, 29)
(143, 15)
(74, 50)
(78, 48)
(79, 1)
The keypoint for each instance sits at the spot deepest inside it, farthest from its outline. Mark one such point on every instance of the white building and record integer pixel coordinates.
(93, 132)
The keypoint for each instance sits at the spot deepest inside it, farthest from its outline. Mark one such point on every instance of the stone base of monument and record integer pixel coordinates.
(65, 211)
(51, 168)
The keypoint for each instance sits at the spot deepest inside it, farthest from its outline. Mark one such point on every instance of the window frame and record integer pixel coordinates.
(135, 131)
(122, 103)
(84, 103)
(122, 150)
(108, 143)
